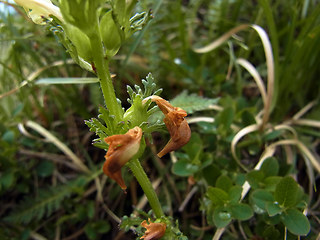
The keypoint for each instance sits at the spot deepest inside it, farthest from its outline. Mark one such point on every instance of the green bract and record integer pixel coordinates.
(110, 33)
(81, 13)
(81, 41)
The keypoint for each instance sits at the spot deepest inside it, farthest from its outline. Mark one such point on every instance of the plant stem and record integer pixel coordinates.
(102, 69)
(146, 186)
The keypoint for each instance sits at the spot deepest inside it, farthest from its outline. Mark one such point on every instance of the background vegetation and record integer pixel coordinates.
(46, 195)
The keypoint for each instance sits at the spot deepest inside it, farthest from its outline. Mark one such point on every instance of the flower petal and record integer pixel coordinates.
(122, 148)
(177, 126)
(154, 230)
(37, 10)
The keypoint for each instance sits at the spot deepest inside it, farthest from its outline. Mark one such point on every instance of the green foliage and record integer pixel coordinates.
(107, 128)
(136, 115)
(192, 102)
(81, 13)
(286, 192)
(284, 200)
(296, 222)
(47, 202)
(93, 229)
(194, 159)
(224, 204)
(211, 86)
(139, 113)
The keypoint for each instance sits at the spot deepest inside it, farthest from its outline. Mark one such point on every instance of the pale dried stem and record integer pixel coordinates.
(304, 110)
(35, 74)
(51, 138)
(256, 76)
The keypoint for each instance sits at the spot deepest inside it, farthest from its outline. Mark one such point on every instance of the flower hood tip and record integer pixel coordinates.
(176, 124)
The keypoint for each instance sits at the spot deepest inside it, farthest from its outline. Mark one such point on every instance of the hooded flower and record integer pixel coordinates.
(154, 230)
(38, 10)
(176, 124)
(122, 148)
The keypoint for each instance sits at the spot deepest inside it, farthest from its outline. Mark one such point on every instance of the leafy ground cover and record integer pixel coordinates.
(246, 72)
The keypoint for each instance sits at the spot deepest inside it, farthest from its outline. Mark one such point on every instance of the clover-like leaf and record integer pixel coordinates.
(296, 222)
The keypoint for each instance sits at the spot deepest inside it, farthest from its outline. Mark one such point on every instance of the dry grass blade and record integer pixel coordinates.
(34, 75)
(269, 60)
(221, 39)
(307, 122)
(256, 76)
(51, 138)
(200, 119)
(270, 68)
(308, 156)
(304, 110)
(236, 139)
(286, 127)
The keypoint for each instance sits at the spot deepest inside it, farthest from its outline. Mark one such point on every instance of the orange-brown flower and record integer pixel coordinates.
(154, 230)
(176, 124)
(122, 148)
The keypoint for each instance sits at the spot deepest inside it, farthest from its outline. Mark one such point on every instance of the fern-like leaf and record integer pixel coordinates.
(192, 103)
(48, 201)
(149, 88)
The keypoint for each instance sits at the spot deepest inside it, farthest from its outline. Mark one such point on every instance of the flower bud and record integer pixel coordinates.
(122, 148)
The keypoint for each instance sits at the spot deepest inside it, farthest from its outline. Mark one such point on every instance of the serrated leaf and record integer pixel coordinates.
(150, 88)
(296, 222)
(31, 208)
(192, 103)
(48, 201)
(110, 128)
(286, 192)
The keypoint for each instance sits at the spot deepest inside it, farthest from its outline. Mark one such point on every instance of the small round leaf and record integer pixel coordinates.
(296, 222)
(241, 211)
